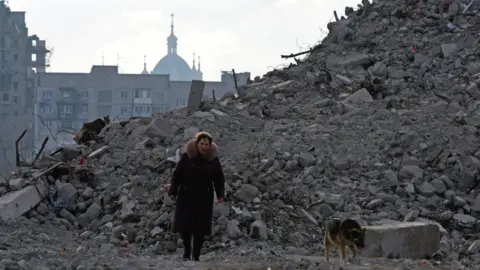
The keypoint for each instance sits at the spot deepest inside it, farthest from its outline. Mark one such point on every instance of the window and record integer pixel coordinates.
(105, 96)
(34, 42)
(163, 109)
(160, 96)
(181, 102)
(15, 85)
(124, 109)
(46, 108)
(124, 94)
(65, 111)
(143, 93)
(15, 99)
(5, 98)
(84, 94)
(85, 109)
(15, 57)
(143, 110)
(34, 57)
(47, 94)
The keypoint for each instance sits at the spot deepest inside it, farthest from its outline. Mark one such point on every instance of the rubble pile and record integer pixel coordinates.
(379, 123)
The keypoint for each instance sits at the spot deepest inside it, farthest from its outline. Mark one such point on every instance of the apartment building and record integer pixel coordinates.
(21, 56)
(64, 101)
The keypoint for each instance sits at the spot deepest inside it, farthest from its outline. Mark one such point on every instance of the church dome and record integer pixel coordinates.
(174, 65)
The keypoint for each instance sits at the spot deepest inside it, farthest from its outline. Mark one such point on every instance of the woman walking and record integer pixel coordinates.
(197, 175)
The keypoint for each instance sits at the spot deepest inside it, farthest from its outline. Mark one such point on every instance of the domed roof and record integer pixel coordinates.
(174, 65)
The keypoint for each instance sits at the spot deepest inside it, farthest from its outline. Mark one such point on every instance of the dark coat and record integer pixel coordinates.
(194, 180)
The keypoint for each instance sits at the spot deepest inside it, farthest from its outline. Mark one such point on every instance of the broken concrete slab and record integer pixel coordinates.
(415, 240)
(17, 183)
(158, 128)
(351, 60)
(98, 152)
(449, 49)
(218, 112)
(358, 98)
(17, 203)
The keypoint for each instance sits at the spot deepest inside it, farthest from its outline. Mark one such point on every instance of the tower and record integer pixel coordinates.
(172, 39)
(193, 63)
(145, 71)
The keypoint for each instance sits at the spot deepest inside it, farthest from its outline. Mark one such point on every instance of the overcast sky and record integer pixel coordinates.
(246, 35)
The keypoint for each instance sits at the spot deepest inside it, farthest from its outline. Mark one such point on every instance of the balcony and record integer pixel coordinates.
(142, 100)
(68, 96)
(64, 115)
(83, 101)
(143, 110)
(142, 96)
(67, 101)
(45, 99)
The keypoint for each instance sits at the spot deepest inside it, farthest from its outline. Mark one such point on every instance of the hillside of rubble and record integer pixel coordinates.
(378, 123)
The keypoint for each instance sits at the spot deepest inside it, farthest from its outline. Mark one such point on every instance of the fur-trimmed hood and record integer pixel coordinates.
(190, 149)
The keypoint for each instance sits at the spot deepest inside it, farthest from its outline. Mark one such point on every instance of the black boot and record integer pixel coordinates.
(187, 246)
(197, 246)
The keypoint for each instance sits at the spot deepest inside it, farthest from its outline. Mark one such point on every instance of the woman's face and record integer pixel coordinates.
(203, 146)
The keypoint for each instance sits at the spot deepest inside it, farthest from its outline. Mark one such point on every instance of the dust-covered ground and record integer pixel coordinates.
(25, 245)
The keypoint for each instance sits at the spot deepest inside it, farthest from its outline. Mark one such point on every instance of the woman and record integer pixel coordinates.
(196, 176)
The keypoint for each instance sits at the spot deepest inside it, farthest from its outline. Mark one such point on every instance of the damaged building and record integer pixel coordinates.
(66, 100)
(21, 56)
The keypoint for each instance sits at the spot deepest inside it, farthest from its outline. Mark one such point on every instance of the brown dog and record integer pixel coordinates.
(341, 234)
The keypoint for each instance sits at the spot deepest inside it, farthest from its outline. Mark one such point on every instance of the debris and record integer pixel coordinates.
(378, 123)
(90, 130)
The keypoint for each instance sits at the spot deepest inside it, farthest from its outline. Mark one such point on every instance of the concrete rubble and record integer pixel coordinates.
(414, 240)
(379, 123)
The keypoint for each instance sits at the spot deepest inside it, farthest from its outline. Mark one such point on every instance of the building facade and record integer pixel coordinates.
(64, 101)
(21, 56)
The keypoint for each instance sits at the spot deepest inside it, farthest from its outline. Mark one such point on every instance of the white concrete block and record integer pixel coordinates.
(415, 240)
(17, 203)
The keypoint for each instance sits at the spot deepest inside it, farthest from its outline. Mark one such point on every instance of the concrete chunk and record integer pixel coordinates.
(16, 184)
(359, 98)
(414, 240)
(449, 49)
(17, 203)
(351, 60)
(158, 127)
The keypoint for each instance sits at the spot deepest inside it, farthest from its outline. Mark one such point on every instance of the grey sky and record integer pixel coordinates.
(246, 35)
